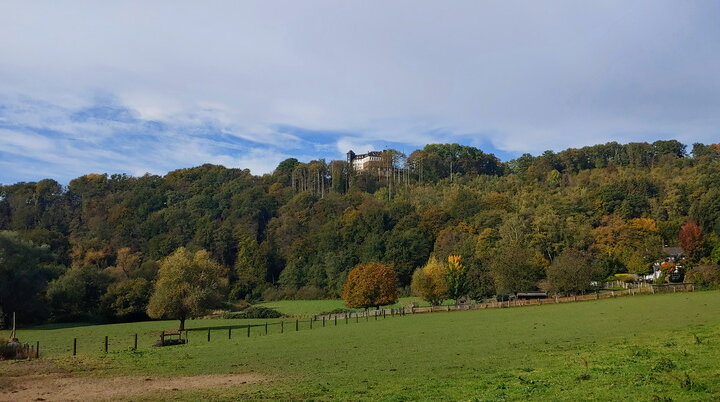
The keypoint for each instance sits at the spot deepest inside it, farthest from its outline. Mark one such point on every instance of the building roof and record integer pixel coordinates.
(353, 155)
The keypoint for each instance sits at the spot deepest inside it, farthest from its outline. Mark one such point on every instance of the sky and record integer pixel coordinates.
(148, 87)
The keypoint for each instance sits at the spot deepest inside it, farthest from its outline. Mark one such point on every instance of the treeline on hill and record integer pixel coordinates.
(91, 250)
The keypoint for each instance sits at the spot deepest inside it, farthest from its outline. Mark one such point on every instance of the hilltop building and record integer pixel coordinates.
(361, 162)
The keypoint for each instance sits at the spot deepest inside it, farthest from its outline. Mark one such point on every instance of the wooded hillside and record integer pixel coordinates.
(91, 250)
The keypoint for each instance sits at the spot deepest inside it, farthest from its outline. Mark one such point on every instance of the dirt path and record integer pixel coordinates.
(67, 387)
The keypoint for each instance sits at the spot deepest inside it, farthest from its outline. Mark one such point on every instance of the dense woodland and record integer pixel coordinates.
(91, 250)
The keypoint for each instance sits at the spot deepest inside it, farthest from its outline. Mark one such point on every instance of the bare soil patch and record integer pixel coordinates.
(63, 386)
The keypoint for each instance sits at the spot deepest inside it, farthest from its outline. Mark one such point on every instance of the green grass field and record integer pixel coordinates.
(307, 308)
(654, 347)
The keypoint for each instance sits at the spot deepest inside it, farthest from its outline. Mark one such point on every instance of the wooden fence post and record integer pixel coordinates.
(282, 326)
(248, 330)
(265, 327)
(311, 320)
(208, 335)
(74, 346)
(297, 326)
(135, 347)
(106, 343)
(346, 318)
(37, 349)
(336, 320)
(229, 332)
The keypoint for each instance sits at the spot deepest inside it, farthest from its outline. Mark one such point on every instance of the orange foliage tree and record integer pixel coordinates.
(370, 285)
(691, 240)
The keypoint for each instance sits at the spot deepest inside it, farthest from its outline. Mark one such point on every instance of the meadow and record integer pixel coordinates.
(650, 347)
(308, 308)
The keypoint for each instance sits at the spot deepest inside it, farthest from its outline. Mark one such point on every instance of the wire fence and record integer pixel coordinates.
(87, 344)
(648, 288)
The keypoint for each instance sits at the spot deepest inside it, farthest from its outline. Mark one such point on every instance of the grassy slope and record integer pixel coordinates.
(306, 308)
(632, 347)
(56, 339)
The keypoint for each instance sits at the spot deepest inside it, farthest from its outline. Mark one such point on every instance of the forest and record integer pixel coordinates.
(91, 250)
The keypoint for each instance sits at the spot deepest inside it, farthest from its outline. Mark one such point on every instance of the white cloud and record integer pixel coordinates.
(345, 144)
(523, 77)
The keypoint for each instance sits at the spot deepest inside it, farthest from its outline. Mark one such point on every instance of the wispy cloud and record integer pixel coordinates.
(38, 139)
(133, 86)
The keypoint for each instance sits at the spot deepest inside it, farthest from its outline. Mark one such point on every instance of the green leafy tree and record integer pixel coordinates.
(188, 285)
(76, 295)
(514, 268)
(250, 269)
(572, 272)
(128, 300)
(24, 275)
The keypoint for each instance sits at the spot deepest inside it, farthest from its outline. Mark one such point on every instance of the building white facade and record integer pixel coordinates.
(361, 162)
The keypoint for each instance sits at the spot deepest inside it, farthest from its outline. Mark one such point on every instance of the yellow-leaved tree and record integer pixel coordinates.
(188, 285)
(455, 274)
(430, 282)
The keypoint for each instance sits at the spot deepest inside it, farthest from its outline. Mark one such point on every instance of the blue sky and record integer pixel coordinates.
(135, 87)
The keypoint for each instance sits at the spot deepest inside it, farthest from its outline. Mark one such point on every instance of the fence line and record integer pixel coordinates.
(366, 315)
(645, 288)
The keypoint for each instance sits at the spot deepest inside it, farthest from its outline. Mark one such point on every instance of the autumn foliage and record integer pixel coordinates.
(370, 285)
(691, 240)
(455, 277)
(430, 282)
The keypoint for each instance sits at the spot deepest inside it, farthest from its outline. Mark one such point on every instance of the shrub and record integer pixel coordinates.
(626, 278)
(233, 315)
(309, 293)
(273, 293)
(261, 312)
(238, 305)
(704, 275)
(252, 312)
